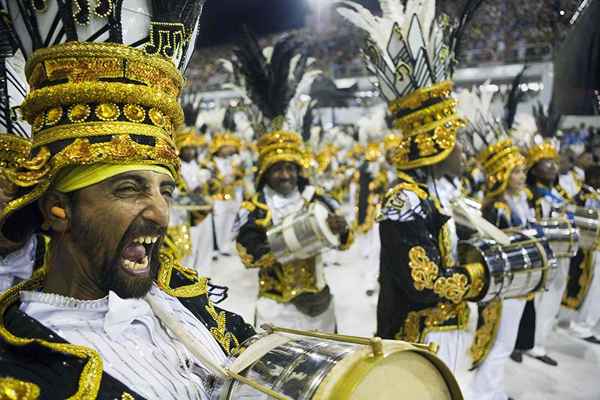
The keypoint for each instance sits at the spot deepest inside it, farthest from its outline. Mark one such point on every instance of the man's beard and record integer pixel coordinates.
(111, 277)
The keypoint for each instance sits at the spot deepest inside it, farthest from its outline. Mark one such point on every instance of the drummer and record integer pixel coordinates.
(540, 314)
(198, 253)
(294, 294)
(424, 292)
(583, 286)
(505, 205)
(81, 327)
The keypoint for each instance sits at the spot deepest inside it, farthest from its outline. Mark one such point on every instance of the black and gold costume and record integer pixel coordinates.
(278, 282)
(34, 359)
(422, 288)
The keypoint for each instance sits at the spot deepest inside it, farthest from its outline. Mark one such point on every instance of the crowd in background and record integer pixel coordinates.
(502, 31)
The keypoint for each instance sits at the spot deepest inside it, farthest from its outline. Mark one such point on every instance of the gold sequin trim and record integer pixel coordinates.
(199, 286)
(434, 319)
(265, 261)
(14, 389)
(485, 335)
(423, 271)
(91, 374)
(224, 338)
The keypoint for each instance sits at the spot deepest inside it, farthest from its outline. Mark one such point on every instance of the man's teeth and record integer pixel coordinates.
(136, 266)
(145, 239)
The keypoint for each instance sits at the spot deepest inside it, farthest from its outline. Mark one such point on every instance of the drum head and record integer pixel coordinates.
(403, 374)
(321, 213)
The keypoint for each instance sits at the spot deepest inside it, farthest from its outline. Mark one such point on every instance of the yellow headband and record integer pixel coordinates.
(83, 176)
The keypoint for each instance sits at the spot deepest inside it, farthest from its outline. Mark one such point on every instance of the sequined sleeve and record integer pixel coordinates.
(412, 261)
(251, 240)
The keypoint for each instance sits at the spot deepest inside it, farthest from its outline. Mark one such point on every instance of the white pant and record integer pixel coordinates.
(588, 314)
(202, 247)
(371, 247)
(286, 315)
(454, 351)
(547, 306)
(224, 215)
(488, 382)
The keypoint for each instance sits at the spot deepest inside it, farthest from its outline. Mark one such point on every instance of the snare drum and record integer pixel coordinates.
(309, 365)
(586, 220)
(524, 266)
(302, 235)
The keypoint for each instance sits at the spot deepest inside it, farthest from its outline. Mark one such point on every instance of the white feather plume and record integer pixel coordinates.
(410, 50)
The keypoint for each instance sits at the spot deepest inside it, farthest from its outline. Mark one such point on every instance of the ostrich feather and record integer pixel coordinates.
(515, 96)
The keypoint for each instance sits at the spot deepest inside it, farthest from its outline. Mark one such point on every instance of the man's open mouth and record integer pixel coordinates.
(135, 257)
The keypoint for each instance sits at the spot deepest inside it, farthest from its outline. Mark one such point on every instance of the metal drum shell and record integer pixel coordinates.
(345, 371)
(586, 220)
(562, 236)
(302, 235)
(511, 271)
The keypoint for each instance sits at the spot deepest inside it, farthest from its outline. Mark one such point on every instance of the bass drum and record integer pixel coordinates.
(302, 367)
(526, 265)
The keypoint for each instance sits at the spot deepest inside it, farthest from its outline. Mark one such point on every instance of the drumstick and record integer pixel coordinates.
(199, 350)
(191, 343)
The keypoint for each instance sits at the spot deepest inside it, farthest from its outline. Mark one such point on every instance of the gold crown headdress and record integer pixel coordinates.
(487, 140)
(114, 101)
(277, 83)
(226, 135)
(411, 53)
(535, 146)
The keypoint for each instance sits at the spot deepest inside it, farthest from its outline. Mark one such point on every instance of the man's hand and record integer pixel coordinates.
(337, 224)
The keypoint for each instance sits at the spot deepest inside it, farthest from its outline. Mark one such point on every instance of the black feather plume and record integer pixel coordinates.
(190, 113)
(456, 36)
(307, 122)
(547, 123)
(229, 120)
(266, 81)
(515, 96)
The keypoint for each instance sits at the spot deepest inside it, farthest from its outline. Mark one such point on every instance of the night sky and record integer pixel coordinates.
(222, 19)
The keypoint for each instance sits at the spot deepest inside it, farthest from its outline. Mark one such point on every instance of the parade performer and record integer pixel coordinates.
(190, 225)
(424, 292)
(583, 285)
(539, 316)
(227, 181)
(102, 169)
(505, 205)
(294, 293)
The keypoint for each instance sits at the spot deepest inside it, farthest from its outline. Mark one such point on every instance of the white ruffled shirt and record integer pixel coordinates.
(134, 345)
(18, 264)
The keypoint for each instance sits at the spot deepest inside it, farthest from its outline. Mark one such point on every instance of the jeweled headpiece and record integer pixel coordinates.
(101, 93)
(411, 53)
(226, 136)
(277, 82)
(487, 140)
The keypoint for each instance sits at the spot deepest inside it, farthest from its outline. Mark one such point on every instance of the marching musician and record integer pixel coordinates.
(190, 231)
(295, 293)
(226, 184)
(583, 285)
(423, 290)
(540, 314)
(506, 206)
(91, 322)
